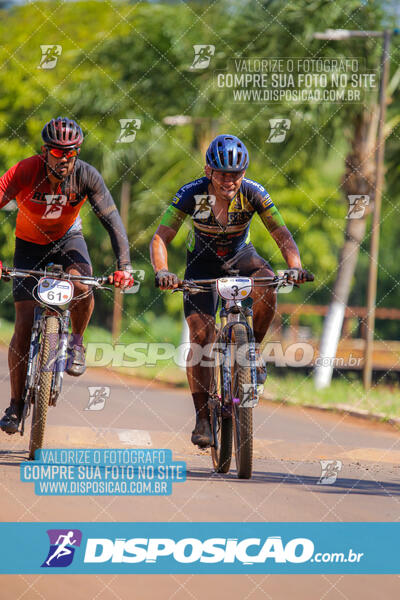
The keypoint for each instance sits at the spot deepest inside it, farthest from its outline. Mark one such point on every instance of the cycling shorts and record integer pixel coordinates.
(246, 261)
(69, 250)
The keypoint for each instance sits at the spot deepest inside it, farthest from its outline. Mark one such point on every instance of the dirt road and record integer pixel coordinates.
(290, 442)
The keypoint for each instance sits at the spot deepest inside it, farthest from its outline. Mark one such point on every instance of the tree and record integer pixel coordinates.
(358, 180)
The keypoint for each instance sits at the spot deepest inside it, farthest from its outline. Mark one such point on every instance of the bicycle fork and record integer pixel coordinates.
(61, 358)
(30, 381)
(56, 362)
(251, 395)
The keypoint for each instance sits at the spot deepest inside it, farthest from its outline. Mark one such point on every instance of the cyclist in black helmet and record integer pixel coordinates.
(50, 189)
(221, 206)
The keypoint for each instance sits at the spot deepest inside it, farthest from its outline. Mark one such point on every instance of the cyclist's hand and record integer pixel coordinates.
(301, 276)
(166, 280)
(123, 279)
(304, 276)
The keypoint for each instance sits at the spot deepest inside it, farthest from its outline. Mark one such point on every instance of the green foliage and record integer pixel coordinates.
(132, 60)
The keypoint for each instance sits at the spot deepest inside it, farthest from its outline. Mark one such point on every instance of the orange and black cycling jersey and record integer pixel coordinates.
(45, 216)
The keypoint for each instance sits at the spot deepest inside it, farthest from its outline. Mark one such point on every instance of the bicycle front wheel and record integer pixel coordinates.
(242, 416)
(221, 424)
(42, 396)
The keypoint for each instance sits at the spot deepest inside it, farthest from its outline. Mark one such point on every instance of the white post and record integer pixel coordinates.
(329, 343)
(185, 340)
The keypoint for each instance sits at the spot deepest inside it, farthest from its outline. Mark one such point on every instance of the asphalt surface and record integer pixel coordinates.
(289, 445)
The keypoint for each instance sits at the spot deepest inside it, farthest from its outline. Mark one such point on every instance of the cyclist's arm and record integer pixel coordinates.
(104, 207)
(287, 246)
(11, 183)
(275, 224)
(165, 233)
(273, 221)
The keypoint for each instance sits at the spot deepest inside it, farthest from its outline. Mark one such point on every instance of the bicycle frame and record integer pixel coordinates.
(231, 418)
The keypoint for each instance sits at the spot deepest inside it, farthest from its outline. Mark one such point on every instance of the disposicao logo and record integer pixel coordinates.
(190, 550)
(62, 547)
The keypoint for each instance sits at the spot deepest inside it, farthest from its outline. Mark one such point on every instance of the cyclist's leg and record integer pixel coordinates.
(27, 256)
(81, 312)
(74, 257)
(202, 332)
(264, 305)
(82, 308)
(264, 298)
(264, 301)
(200, 312)
(19, 349)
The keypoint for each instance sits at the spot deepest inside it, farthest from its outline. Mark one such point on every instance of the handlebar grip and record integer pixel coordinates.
(309, 277)
(157, 284)
(4, 274)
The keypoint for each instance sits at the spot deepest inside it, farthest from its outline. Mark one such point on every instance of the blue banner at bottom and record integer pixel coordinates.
(201, 548)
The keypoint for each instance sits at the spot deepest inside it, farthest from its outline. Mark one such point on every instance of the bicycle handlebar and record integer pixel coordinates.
(8, 273)
(273, 281)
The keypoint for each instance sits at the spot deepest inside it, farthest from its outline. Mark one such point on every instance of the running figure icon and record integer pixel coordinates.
(63, 543)
(62, 549)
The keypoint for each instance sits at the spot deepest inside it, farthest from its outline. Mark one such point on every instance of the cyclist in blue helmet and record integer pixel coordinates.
(221, 206)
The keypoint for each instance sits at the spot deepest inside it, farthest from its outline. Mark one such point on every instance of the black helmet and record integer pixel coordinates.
(62, 133)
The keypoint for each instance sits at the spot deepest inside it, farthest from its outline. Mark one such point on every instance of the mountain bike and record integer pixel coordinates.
(233, 390)
(48, 347)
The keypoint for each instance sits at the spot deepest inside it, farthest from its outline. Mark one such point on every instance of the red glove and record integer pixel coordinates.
(123, 279)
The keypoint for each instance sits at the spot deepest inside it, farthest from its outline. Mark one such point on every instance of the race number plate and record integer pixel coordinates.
(234, 288)
(55, 292)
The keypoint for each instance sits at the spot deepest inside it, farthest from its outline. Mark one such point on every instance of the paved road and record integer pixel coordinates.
(289, 445)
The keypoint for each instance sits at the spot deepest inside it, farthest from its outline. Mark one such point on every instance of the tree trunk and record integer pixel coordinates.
(358, 180)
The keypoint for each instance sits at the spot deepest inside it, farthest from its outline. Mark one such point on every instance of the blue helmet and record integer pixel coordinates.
(227, 153)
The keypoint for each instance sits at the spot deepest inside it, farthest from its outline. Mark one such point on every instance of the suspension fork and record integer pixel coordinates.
(226, 354)
(30, 380)
(227, 336)
(248, 312)
(61, 359)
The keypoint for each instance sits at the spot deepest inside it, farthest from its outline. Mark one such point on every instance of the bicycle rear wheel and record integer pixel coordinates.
(221, 423)
(242, 417)
(42, 396)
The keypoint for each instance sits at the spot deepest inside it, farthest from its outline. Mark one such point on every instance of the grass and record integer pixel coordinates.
(345, 390)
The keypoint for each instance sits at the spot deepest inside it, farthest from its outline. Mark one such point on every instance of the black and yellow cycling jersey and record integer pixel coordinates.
(208, 237)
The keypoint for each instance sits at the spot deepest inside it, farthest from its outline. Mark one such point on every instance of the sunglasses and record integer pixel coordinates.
(58, 153)
(234, 175)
